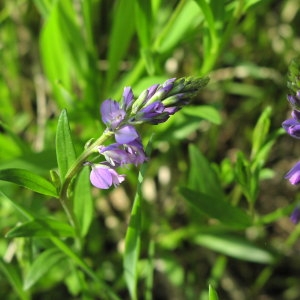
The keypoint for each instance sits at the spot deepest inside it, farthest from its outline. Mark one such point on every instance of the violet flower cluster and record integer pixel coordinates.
(292, 125)
(154, 105)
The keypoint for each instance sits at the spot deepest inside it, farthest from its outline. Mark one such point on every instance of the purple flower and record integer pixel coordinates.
(295, 216)
(292, 127)
(121, 154)
(114, 154)
(294, 174)
(126, 134)
(154, 106)
(294, 99)
(112, 114)
(136, 152)
(103, 177)
(296, 114)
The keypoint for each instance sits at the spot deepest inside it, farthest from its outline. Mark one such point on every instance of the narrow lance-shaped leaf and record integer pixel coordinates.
(217, 208)
(104, 290)
(202, 176)
(260, 131)
(83, 201)
(212, 294)
(29, 180)
(143, 22)
(44, 262)
(65, 151)
(41, 228)
(235, 246)
(13, 275)
(183, 19)
(133, 236)
(119, 38)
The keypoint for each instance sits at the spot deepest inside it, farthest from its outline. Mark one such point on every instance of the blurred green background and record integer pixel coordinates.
(73, 54)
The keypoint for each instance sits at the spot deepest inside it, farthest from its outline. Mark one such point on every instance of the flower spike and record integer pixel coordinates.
(154, 105)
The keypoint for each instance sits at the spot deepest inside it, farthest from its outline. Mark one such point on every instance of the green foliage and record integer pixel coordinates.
(28, 180)
(210, 206)
(64, 146)
(217, 208)
(212, 294)
(41, 266)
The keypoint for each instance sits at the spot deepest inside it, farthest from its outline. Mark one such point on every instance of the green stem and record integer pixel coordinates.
(78, 164)
(72, 172)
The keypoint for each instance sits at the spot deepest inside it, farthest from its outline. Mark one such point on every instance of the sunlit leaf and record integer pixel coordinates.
(120, 38)
(205, 112)
(185, 17)
(29, 180)
(83, 201)
(235, 246)
(65, 151)
(133, 235)
(212, 294)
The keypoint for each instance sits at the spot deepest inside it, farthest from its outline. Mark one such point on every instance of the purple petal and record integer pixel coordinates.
(116, 178)
(294, 174)
(127, 98)
(112, 114)
(169, 82)
(150, 111)
(171, 110)
(295, 216)
(101, 177)
(115, 155)
(293, 100)
(292, 127)
(107, 108)
(126, 134)
(151, 90)
(296, 114)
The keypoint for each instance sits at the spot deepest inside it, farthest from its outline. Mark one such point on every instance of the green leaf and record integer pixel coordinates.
(27, 214)
(64, 52)
(143, 24)
(212, 294)
(104, 290)
(41, 228)
(246, 177)
(202, 176)
(205, 112)
(217, 208)
(13, 275)
(260, 131)
(184, 18)
(143, 20)
(235, 246)
(41, 265)
(132, 246)
(53, 51)
(133, 235)
(65, 151)
(83, 201)
(29, 180)
(120, 36)
(43, 6)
